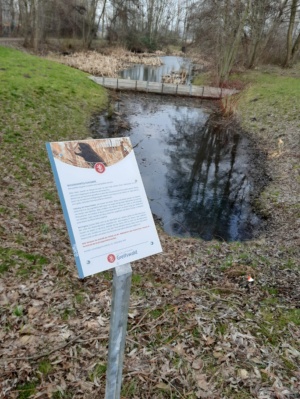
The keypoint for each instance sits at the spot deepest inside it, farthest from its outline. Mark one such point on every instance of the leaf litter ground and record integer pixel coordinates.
(196, 328)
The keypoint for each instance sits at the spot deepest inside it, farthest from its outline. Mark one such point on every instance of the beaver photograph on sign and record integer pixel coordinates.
(87, 153)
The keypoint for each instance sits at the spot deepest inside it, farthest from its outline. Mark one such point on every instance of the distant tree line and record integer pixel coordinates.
(38, 20)
(246, 32)
(227, 32)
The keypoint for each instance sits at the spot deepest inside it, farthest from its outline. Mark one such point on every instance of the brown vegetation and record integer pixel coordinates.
(105, 65)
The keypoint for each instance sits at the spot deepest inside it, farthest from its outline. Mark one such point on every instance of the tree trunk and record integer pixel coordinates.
(289, 42)
(229, 50)
(1, 19)
(296, 48)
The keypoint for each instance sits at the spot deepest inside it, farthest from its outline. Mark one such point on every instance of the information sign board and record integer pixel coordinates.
(104, 203)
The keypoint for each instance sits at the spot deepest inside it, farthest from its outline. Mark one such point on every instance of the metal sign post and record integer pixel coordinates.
(109, 221)
(118, 327)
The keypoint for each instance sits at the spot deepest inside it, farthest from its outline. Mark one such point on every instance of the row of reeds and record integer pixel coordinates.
(99, 64)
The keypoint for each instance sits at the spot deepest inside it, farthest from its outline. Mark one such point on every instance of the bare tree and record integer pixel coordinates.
(263, 22)
(292, 45)
(91, 22)
(219, 27)
(233, 20)
(1, 17)
(8, 18)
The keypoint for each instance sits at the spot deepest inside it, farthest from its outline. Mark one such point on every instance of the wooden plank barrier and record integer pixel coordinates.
(163, 88)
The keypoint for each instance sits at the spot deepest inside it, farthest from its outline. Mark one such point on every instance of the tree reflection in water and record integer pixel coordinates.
(209, 181)
(199, 173)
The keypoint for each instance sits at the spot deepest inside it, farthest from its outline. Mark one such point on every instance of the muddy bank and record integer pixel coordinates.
(202, 174)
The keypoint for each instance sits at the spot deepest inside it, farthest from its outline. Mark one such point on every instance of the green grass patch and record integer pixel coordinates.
(106, 275)
(293, 316)
(51, 196)
(26, 390)
(67, 313)
(40, 101)
(55, 103)
(288, 364)
(270, 94)
(23, 262)
(18, 311)
(203, 79)
(98, 371)
(221, 328)
(156, 313)
(274, 321)
(45, 367)
(79, 298)
(136, 279)
(272, 291)
(129, 389)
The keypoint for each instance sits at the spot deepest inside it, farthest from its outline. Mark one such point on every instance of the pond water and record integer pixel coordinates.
(155, 73)
(199, 173)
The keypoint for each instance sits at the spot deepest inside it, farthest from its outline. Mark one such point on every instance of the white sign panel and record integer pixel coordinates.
(104, 203)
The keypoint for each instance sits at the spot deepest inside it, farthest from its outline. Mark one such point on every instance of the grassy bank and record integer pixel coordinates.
(40, 101)
(269, 109)
(196, 330)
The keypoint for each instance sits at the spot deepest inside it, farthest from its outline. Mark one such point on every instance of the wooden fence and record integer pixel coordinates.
(164, 88)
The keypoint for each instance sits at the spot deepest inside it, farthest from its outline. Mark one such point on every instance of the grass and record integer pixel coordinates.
(266, 92)
(23, 262)
(136, 279)
(26, 390)
(98, 371)
(45, 367)
(273, 324)
(129, 389)
(44, 98)
(79, 298)
(67, 313)
(204, 79)
(156, 313)
(18, 311)
(40, 101)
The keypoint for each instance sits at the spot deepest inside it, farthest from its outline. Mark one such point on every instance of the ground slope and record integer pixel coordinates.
(196, 330)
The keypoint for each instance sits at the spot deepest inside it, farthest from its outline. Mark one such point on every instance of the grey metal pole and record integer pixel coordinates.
(118, 326)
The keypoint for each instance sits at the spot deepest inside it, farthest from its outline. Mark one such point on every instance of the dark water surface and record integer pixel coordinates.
(199, 173)
(155, 73)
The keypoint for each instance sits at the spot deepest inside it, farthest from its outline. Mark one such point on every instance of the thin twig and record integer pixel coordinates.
(46, 354)
(169, 383)
(139, 323)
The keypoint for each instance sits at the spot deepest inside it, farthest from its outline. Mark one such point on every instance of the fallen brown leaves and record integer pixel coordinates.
(196, 329)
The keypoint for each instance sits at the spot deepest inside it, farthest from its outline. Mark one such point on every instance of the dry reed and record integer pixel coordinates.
(106, 65)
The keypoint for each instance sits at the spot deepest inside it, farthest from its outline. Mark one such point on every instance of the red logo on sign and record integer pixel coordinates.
(111, 258)
(99, 167)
